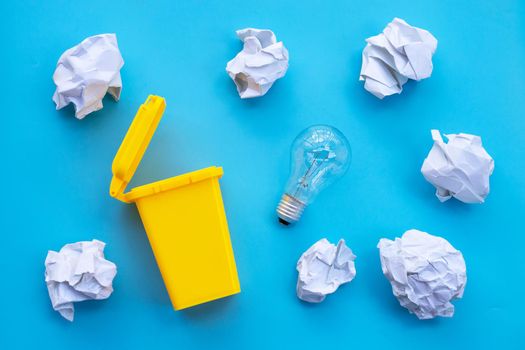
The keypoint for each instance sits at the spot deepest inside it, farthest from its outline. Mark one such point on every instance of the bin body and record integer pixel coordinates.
(188, 232)
(183, 217)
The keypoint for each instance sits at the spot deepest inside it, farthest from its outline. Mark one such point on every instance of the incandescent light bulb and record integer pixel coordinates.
(321, 154)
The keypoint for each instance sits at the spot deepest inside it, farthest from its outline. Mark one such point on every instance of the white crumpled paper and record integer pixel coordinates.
(261, 62)
(426, 272)
(78, 272)
(460, 168)
(400, 53)
(323, 268)
(86, 72)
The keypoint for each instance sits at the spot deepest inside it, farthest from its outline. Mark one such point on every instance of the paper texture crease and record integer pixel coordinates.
(400, 53)
(323, 268)
(86, 72)
(426, 273)
(78, 272)
(460, 168)
(261, 62)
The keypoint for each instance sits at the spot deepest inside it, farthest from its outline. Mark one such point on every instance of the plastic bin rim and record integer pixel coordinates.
(173, 183)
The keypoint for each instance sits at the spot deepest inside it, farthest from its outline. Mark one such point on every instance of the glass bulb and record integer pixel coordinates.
(320, 155)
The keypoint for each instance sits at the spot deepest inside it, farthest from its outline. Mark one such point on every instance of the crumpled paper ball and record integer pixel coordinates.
(86, 72)
(261, 62)
(323, 268)
(79, 271)
(426, 273)
(400, 53)
(460, 168)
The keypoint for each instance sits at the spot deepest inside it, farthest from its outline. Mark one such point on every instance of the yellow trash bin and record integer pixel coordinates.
(183, 216)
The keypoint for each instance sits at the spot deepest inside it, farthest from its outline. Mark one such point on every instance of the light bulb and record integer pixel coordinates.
(320, 155)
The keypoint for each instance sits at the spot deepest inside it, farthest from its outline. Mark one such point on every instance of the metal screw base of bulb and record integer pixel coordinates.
(289, 209)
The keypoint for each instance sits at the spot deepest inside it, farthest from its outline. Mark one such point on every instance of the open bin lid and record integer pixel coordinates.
(135, 144)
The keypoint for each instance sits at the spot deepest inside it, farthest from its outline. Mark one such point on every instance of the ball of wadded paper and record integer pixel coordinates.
(261, 62)
(460, 168)
(86, 72)
(79, 271)
(400, 53)
(323, 268)
(426, 273)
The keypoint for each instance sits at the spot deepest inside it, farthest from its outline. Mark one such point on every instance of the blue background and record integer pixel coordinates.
(56, 170)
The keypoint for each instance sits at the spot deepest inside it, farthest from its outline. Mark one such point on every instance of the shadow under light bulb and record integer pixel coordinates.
(321, 154)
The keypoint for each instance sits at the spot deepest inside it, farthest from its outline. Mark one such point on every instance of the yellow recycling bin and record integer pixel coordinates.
(183, 216)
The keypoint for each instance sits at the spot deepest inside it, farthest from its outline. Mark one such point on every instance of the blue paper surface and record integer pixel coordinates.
(56, 170)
